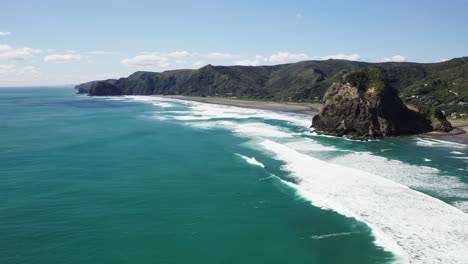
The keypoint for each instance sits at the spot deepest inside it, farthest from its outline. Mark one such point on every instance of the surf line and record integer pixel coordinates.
(411, 230)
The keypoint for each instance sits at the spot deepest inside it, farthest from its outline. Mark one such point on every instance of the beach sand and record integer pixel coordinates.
(307, 109)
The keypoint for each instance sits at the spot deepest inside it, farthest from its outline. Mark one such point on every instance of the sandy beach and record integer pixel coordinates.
(307, 109)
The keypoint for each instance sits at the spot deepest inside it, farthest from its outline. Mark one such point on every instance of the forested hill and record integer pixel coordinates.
(441, 85)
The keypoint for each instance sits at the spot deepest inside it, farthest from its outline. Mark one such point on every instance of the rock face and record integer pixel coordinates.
(362, 105)
(103, 88)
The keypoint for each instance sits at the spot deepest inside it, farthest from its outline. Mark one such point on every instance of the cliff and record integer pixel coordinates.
(362, 105)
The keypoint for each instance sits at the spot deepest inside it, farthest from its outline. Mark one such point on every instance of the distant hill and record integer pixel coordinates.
(443, 86)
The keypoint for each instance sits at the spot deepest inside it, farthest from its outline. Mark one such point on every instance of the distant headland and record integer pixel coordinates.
(361, 99)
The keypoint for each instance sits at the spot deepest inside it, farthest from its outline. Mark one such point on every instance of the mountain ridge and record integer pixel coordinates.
(443, 85)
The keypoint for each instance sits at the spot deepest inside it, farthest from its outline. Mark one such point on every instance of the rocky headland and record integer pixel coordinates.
(363, 105)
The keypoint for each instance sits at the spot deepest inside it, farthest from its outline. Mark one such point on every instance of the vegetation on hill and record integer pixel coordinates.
(441, 86)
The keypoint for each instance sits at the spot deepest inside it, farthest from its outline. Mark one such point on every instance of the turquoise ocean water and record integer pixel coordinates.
(155, 180)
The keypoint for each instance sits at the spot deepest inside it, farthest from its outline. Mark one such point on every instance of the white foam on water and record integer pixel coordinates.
(269, 177)
(261, 130)
(251, 129)
(450, 143)
(189, 118)
(163, 104)
(431, 142)
(204, 111)
(463, 205)
(456, 157)
(414, 176)
(251, 160)
(156, 101)
(427, 160)
(307, 144)
(414, 226)
(331, 235)
(457, 153)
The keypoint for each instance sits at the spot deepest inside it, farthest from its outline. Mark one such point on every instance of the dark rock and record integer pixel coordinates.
(362, 105)
(103, 88)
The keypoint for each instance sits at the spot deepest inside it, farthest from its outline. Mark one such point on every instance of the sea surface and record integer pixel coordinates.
(140, 179)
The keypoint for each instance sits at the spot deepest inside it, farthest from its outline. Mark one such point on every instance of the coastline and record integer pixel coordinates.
(458, 134)
(299, 108)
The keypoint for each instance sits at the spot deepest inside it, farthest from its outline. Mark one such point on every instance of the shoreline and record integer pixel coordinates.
(458, 134)
(299, 108)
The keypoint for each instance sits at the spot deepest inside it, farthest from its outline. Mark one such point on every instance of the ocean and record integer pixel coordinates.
(139, 179)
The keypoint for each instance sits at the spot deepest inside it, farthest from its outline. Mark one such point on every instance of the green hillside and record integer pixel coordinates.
(442, 86)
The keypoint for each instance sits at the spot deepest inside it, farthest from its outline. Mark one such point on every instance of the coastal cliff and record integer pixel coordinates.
(362, 105)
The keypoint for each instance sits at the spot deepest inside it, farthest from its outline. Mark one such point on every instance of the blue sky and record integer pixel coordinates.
(67, 42)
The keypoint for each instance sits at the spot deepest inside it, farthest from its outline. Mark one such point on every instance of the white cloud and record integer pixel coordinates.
(61, 58)
(5, 33)
(198, 64)
(396, 58)
(101, 52)
(71, 51)
(350, 57)
(180, 59)
(13, 71)
(284, 57)
(441, 60)
(11, 53)
(220, 56)
(30, 69)
(147, 60)
(7, 68)
(180, 54)
(247, 62)
(255, 61)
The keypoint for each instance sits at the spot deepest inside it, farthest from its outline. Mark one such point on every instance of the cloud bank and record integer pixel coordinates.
(8, 52)
(396, 58)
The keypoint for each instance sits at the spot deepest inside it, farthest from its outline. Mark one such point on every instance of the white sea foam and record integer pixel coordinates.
(204, 111)
(307, 144)
(456, 157)
(269, 177)
(457, 153)
(431, 142)
(331, 235)
(189, 118)
(252, 160)
(427, 160)
(418, 177)
(161, 104)
(463, 205)
(251, 129)
(149, 99)
(414, 226)
(261, 129)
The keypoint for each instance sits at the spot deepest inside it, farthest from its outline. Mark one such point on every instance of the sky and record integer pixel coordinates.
(52, 42)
